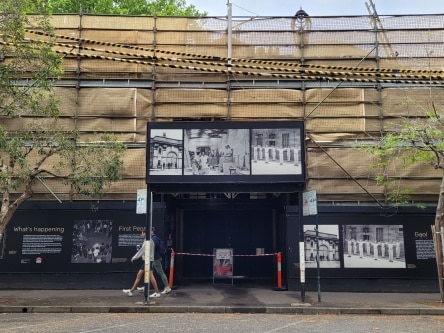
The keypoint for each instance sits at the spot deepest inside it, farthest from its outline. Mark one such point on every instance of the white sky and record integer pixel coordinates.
(317, 7)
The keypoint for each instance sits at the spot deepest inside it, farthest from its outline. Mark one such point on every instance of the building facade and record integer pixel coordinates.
(346, 79)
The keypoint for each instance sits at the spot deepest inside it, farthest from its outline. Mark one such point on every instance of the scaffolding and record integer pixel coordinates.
(349, 78)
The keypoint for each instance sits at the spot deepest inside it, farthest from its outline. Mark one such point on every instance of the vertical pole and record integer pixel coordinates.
(149, 224)
(279, 270)
(171, 276)
(229, 32)
(302, 268)
(229, 55)
(317, 259)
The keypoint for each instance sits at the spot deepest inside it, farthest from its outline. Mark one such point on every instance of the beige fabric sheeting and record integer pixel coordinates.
(266, 110)
(135, 163)
(129, 137)
(90, 68)
(319, 164)
(68, 97)
(347, 95)
(198, 77)
(335, 137)
(346, 186)
(411, 102)
(339, 114)
(346, 52)
(70, 67)
(190, 95)
(421, 170)
(421, 186)
(334, 125)
(141, 125)
(140, 37)
(108, 102)
(178, 23)
(65, 21)
(123, 23)
(182, 38)
(61, 124)
(190, 111)
(55, 185)
(184, 103)
(51, 164)
(329, 109)
(127, 186)
(266, 96)
(103, 124)
(336, 103)
(266, 103)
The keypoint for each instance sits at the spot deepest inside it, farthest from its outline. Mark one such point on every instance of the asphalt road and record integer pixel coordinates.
(217, 323)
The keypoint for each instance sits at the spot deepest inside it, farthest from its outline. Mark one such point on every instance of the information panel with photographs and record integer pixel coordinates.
(225, 152)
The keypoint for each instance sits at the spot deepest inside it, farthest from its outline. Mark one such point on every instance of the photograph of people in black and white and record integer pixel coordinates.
(165, 152)
(328, 240)
(276, 151)
(92, 242)
(216, 152)
(373, 246)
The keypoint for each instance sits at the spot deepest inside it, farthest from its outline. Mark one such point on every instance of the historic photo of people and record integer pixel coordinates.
(92, 242)
(276, 151)
(216, 152)
(373, 246)
(328, 240)
(165, 152)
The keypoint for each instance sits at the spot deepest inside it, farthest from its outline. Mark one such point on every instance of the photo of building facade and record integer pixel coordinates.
(166, 153)
(323, 243)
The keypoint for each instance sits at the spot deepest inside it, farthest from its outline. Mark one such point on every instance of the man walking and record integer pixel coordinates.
(141, 254)
(157, 264)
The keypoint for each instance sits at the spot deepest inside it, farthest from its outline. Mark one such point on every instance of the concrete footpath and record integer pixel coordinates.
(208, 298)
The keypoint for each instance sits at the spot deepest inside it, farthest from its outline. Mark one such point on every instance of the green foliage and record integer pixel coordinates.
(27, 68)
(419, 140)
(97, 164)
(124, 7)
(33, 145)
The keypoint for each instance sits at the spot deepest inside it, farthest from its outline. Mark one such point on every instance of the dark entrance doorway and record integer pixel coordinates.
(246, 228)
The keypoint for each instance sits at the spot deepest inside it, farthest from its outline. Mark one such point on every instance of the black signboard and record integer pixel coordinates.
(234, 154)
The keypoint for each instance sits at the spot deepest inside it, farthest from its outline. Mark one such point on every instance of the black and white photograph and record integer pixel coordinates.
(92, 242)
(166, 152)
(216, 152)
(373, 246)
(276, 151)
(328, 240)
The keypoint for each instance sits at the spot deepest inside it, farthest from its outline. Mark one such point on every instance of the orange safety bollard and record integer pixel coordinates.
(279, 273)
(171, 277)
(279, 270)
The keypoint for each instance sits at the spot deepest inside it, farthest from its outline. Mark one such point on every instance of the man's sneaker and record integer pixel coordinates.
(128, 292)
(140, 289)
(155, 295)
(167, 290)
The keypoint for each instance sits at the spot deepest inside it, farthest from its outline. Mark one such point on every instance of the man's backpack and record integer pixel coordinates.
(162, 247)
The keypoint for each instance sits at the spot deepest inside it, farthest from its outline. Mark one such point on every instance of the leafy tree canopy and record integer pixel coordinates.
(419, 140)
(124, 7)
(35, 146)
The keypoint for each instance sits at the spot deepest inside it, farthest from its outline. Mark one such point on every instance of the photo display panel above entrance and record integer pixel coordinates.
(259, 156)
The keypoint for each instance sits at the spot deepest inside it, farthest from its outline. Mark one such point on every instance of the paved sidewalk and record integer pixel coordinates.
(221, 299)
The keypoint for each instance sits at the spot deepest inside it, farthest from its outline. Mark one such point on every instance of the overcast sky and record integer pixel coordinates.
(317, 7)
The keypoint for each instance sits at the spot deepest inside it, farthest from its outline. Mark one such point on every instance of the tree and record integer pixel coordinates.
(34, 148)
(419, 140)
(125, 7)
